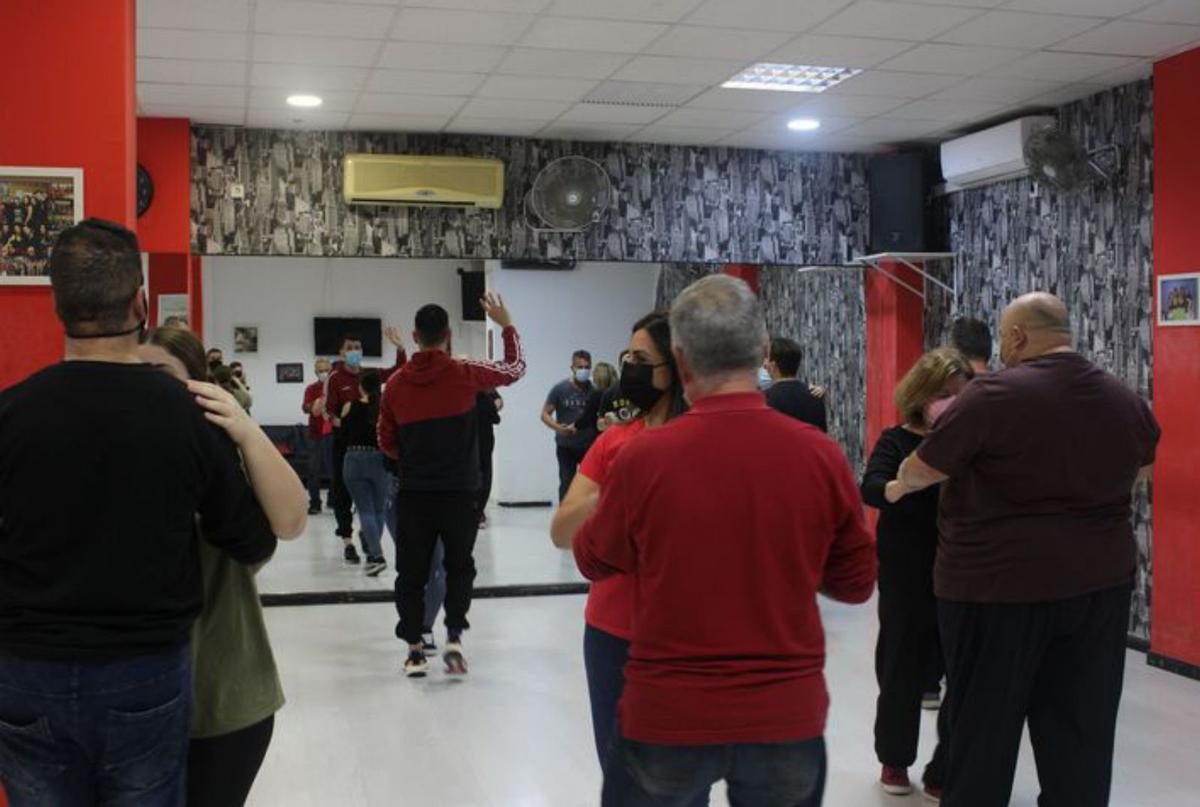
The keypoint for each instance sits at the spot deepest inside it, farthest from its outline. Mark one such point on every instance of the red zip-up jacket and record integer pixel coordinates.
(345, 386)
(427, 419)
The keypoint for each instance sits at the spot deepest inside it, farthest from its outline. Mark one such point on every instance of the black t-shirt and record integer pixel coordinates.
(103, 471)
(360, 426)
(908, 529)
(1042, 460)
(791, 397)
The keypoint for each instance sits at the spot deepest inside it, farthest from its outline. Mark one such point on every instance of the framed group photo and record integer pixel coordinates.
(36, 204)
(1178, 298)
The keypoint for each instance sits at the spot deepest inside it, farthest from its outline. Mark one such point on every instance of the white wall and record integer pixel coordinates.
(282, 295)
(592, 307)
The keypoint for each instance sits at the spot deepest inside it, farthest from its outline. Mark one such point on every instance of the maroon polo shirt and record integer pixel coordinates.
(729, 519)
(344, 386)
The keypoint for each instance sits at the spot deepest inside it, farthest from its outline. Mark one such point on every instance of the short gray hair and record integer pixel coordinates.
(718, 324)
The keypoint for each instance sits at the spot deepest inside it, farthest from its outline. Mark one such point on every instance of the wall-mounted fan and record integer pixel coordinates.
(1057, 159)
(568, 196)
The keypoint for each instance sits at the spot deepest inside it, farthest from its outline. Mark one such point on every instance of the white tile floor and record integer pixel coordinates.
(517, 732)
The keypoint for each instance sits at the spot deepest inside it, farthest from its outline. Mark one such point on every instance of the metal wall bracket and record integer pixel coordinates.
(882, 262)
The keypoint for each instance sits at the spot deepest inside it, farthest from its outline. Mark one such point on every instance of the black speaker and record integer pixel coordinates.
(474, 285)
(899, 188)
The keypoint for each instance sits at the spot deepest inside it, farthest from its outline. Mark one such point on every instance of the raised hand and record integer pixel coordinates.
(493, 306)
(393, 336)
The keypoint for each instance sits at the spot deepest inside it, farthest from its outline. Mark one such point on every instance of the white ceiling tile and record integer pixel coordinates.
(214, 115)
(394, 104)
(1000, 90)
(1010, 29)
(746, 100)
(1061, 66)
(1134, 71)
(173, 44)
(505, 127)
(830, 124)
(188, 94)
(320, 51)
(322, 19)
(269, 98)
(535, 88)
(799, 141)
(422, 82)
(718, 43)
(895, 20)
(680, 135)
(892, 83)
(461, 27)
(1184, 11)
(513, 6)
(513, 109)
(676, 69)
(428, 56)
(710, 119)
(639, 10)
(300, 78)
(967, 3)
(297, 119)
(398, 123)
(838, 51)
(211, 15)
(191, 71)
(952, 60)
(613, 113)
(891, 129)
(1094, 8)
(603, 35)
(565, 63)
(767, 15)
(1124, 38)
(645, 93)
(610, 132)
(1066, 94)
(392, 3)
(863, 106)
(948, 111)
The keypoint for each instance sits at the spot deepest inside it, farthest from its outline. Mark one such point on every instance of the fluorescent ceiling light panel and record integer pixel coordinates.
(790, 77)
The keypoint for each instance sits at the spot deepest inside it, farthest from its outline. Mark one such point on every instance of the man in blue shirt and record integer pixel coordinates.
(565, 405)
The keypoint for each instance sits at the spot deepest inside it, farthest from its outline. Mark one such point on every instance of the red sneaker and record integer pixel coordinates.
(894, 781)
(933, 794)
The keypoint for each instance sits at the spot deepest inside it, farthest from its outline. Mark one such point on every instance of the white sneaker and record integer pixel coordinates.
(456, 662)
(416, 665)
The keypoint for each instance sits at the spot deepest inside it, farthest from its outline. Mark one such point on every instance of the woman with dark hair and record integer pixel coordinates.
(235, 681)
(366, 476)
(650, 380)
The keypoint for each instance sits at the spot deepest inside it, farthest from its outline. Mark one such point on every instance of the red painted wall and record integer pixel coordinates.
(75, 111)
(196, 295)
(164, 149)
(1175, 616)
(169, 274)
(744, 271)
(895, 340)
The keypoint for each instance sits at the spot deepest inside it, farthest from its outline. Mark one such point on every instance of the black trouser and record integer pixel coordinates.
(342, 503)
(1061, 665)
(221, 770)
(487, 445)
(568, 463)
(424, 517)
(908, 642)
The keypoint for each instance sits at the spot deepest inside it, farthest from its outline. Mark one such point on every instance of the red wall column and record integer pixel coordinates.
(1175, 615)
(164, 149)
(895, 340)
(196, 295)
(169, 274)
(744, 271)
(75, 109)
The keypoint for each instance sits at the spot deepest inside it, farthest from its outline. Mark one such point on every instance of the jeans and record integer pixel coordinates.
(435, 591)
(112, 733)
(568, 464)
(320, 456)
(757, 775)
(370, 486)
(425, 518)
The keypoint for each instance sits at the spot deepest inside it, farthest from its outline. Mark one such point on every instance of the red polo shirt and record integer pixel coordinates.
(344, 385)
(317, 424)
(730, 519)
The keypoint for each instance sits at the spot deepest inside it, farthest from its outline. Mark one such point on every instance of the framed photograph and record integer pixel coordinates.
(1178, 298)
(173, 310)
(289, 373)
(36, 204)
(245, 339)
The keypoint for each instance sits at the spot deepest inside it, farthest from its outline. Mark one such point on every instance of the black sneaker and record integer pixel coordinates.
(351, 555)
(314, 508)
(456, 662)
(375, 566)
(416, 666)
(428, 644)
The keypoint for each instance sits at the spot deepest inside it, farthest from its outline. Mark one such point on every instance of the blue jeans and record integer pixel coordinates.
(320, 458)
(435, 590)
(757, 775)
(113, 733)
(369, 484)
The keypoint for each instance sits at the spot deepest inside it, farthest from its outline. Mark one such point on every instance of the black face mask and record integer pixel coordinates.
(637, 384)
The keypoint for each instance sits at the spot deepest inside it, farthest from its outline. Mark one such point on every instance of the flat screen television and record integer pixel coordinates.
(328, 333)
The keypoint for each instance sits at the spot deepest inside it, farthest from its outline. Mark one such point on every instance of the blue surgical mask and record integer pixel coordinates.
(764, 378)
(354, 358)
(583, 375)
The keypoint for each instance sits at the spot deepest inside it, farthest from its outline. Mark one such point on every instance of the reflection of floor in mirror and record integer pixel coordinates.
(517, 731)
(513, 549)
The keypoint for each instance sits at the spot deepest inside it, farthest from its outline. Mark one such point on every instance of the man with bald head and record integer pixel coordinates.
(1036, 560)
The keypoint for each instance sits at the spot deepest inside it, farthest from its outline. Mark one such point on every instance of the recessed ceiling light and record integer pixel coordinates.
(790, 77)
(305, 101)
(804, 125)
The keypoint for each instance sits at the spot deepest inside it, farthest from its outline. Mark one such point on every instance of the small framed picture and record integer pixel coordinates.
(1178, 298)
(36, 204)
(292, 373)
(245, 339)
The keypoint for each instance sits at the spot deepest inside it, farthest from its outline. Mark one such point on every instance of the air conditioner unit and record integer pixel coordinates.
(992, 155)
(422, 181)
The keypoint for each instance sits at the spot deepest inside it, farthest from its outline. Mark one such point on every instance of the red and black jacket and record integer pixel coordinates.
(427, 418)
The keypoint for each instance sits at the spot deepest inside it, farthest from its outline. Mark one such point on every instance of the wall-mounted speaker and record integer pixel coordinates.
(474, 286)
(900, 186)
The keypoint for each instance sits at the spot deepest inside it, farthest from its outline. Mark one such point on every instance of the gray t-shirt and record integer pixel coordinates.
(569, 402)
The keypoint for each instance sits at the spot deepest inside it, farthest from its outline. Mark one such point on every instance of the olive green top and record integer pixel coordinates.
(236, 681)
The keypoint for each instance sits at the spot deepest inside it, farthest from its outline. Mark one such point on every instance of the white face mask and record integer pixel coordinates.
(323, 376)
(764, 378)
